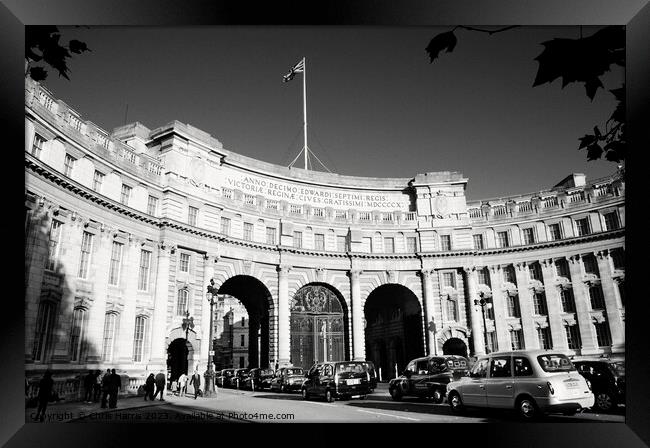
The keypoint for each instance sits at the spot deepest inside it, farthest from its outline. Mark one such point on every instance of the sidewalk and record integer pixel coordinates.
(68, 411)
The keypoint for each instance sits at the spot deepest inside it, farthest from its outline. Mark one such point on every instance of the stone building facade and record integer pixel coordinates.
(125, 230)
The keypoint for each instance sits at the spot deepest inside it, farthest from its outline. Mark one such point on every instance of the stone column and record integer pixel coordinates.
(554, 306)
(283, 315)
(614, 318)
(499, 307)
(358, 335)
(475, 316)
(583, 316)
(127, 319)
(526, 307)
(159, 330)
(208, 274)
(97, 312)
(429, 309)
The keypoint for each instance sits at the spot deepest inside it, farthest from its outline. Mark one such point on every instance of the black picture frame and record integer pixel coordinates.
(634, 14)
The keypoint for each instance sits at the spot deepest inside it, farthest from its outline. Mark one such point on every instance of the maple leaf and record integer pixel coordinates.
(37, 73)
(441, 42)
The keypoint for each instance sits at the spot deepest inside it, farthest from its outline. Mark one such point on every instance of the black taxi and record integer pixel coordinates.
(337, 379)
(428, 377)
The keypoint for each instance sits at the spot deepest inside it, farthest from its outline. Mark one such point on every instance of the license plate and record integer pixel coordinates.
(354, 381)
(572, 384)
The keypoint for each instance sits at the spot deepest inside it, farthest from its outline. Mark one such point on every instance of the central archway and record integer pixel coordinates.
(318, 330)
(178, 354)
(454, 346)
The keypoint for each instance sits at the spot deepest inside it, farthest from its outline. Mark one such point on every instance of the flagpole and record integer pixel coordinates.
(304, 104)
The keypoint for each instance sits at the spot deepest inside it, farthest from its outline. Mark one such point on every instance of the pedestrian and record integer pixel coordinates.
(149, 387)
(89, 382)
(160, 385)
(105, 387)
(196, 382)
(182, 385)
(97, 386)
(115, 384)
(45, 388)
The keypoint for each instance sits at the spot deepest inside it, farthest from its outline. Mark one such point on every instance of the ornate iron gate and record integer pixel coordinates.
(317, 327)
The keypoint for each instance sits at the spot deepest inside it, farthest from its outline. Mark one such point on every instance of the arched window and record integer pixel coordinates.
(77, 333)
(138, 338)
(108, 342)
(44, 326)
(181, 305)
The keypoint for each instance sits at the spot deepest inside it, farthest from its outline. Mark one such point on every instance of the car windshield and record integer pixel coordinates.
(351, 367)
(294, 372)
(618, 368)
(555, 363)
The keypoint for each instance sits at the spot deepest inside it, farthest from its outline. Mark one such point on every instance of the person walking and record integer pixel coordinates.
(89, 382)
(105, 387)
(149, 386)
(182, 385)
(45, 388)
(196, 382)
(97, 386)
(115, 384)
(160, 385)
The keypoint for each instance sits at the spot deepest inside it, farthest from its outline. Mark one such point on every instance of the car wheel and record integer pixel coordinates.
(328, 396)
(395, 394)
(527, 408)
(455, 402)
(283, 388)
(438, 396)
(604, 402)
(305, 394)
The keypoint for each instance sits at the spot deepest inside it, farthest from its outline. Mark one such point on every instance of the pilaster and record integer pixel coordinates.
(499, 307)
(614, 316)
(554, 306)
(587, 332)
(526, 307)
(475, 316)
(358, 336)
(283, 315)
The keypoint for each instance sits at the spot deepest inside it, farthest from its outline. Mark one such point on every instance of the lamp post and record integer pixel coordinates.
(209, 373)
(483, 302)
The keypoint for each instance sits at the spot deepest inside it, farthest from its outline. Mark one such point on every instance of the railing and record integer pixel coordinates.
(500, 210)
(475, 213)
(525, 206)
(387, 217)
(295, 209)
(341, 215)
(318, 212)
(578, 196)
(249, 199)
(410, 216)
(550, 201)
(272, 204)
(227, 193)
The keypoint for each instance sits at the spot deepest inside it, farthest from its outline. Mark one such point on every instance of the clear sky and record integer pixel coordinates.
(376, 106)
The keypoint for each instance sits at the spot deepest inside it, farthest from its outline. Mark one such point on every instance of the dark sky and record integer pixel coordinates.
(376, 106)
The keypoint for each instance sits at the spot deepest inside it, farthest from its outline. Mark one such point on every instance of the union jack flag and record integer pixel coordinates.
(298, 68)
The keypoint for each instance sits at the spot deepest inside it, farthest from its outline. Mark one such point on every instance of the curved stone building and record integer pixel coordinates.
(125, 230)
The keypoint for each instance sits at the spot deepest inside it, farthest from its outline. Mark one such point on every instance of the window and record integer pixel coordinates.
(479, 370)
(611, 221)
(596, 297)
(243, 321)
(76, 333)
(452, 311)
(500, 367)
(484, 276)
(516, 341)
(367, 244)
(125, 195)
(528, 235)
(68, 165)
(411, 244)
(138, 338)
(502, 239)
(568, 303)
(603, 335)
(544, 337)
(248, 231)
(242, 340)
(478, 242)
(618, 258)
(445, 242)
(182, 302)
(270, 235)
(54, 245)
(573, 337)
(115, 264)
(249, 199)
(143, 277)
(389, 245)
(192, 216)
(225, 226)
(539, 303)
(562, 268)
(44, 326)
(590, 264)
(341, 243)
(522, 366)
(509, 275)
(535, 270)
(184, 264)
(110, 320)
(86, 248)
(319, 241)
(297, 239)
(98, 181)
(512, 302)
(152, 205)
(241, 362)
(37, 146)
(554, 232)
(448, 279)
(493, 342)
(582, 226)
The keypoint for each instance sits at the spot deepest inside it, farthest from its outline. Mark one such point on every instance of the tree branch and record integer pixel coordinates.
(470, 28)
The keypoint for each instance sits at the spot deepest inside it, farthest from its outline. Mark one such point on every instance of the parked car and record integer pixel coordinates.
(370, 367)
(427, 377)
(238, 379)
(224, 376)
(288, 379)
(259, 379)
(338, 379)
(532, 382)
(607, 380)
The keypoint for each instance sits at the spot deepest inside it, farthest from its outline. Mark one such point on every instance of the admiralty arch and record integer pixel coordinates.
(124, 231)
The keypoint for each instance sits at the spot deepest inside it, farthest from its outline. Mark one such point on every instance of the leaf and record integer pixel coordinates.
(594, 152)
(77, 46)
(615, 151)
(597, 132)
(591, 86)
(37, 73)
(587, 140)
(441, 42)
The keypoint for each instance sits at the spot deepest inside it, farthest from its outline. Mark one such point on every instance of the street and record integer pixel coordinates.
(247, 406)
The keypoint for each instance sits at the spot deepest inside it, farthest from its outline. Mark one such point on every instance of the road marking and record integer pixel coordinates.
(389, 415)
(320, 404)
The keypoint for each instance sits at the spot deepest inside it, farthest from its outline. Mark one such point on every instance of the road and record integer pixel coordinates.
(247, 406)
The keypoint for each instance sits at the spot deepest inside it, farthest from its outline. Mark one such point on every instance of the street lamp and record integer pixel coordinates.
(209, 373)
(483, 302)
